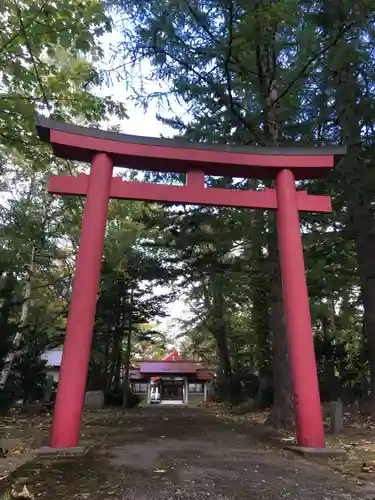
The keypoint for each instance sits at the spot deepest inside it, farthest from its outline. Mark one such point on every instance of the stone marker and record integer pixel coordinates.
(94, 399)
(336, 416)
(48, 389)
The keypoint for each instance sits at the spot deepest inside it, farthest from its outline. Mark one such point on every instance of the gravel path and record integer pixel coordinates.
(183, 454)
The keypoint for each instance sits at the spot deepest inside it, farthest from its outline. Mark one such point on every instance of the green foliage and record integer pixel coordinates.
(30, 372)
(114, 397)
(125, 303)
(49, 57)
(133, 400)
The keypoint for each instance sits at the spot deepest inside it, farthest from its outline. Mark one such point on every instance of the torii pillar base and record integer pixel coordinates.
(319, 453)
(71, 452)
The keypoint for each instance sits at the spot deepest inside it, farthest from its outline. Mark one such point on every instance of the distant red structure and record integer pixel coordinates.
(106, 149)
(171, 380)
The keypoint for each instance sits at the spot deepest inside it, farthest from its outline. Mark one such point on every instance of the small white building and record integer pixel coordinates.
(53, 358)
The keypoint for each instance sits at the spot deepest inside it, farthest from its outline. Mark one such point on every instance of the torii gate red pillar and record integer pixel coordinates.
(102, 148)
(308, 415)
(77, 345)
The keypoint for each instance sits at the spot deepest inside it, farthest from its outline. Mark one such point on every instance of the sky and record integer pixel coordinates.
(142, 123)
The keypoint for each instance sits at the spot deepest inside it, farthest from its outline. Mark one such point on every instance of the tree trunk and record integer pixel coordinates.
(332, 383)
(260, 293)
(118, 362)
(363, 221)
(219, 331)
(260, 317)
(343, 62)
(361, 215)
(281, 413)
(128, 353)
(363, 358)
(23, 320)
(105, 362)
(112, 364)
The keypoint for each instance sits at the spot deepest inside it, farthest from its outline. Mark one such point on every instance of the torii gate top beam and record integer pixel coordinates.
(170, 155)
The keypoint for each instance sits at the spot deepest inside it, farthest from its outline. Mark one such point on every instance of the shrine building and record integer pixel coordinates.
(172, 380)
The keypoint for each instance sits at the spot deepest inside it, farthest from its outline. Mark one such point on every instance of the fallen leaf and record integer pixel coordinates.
(366, 467)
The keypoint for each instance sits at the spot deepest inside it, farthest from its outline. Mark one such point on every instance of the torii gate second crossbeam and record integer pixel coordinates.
(106, 149)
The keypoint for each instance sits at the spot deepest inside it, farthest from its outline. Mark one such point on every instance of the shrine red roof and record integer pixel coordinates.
(205, 374)
(175, 368)
(158, 367)
(172, 363)
(180, 156)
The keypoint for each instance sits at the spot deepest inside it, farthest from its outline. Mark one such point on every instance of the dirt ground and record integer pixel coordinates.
(173, 453)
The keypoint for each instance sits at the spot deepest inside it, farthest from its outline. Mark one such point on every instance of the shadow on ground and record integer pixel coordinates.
(184, 454)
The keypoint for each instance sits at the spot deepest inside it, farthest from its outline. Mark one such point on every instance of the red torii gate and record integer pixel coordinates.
(106, 149)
